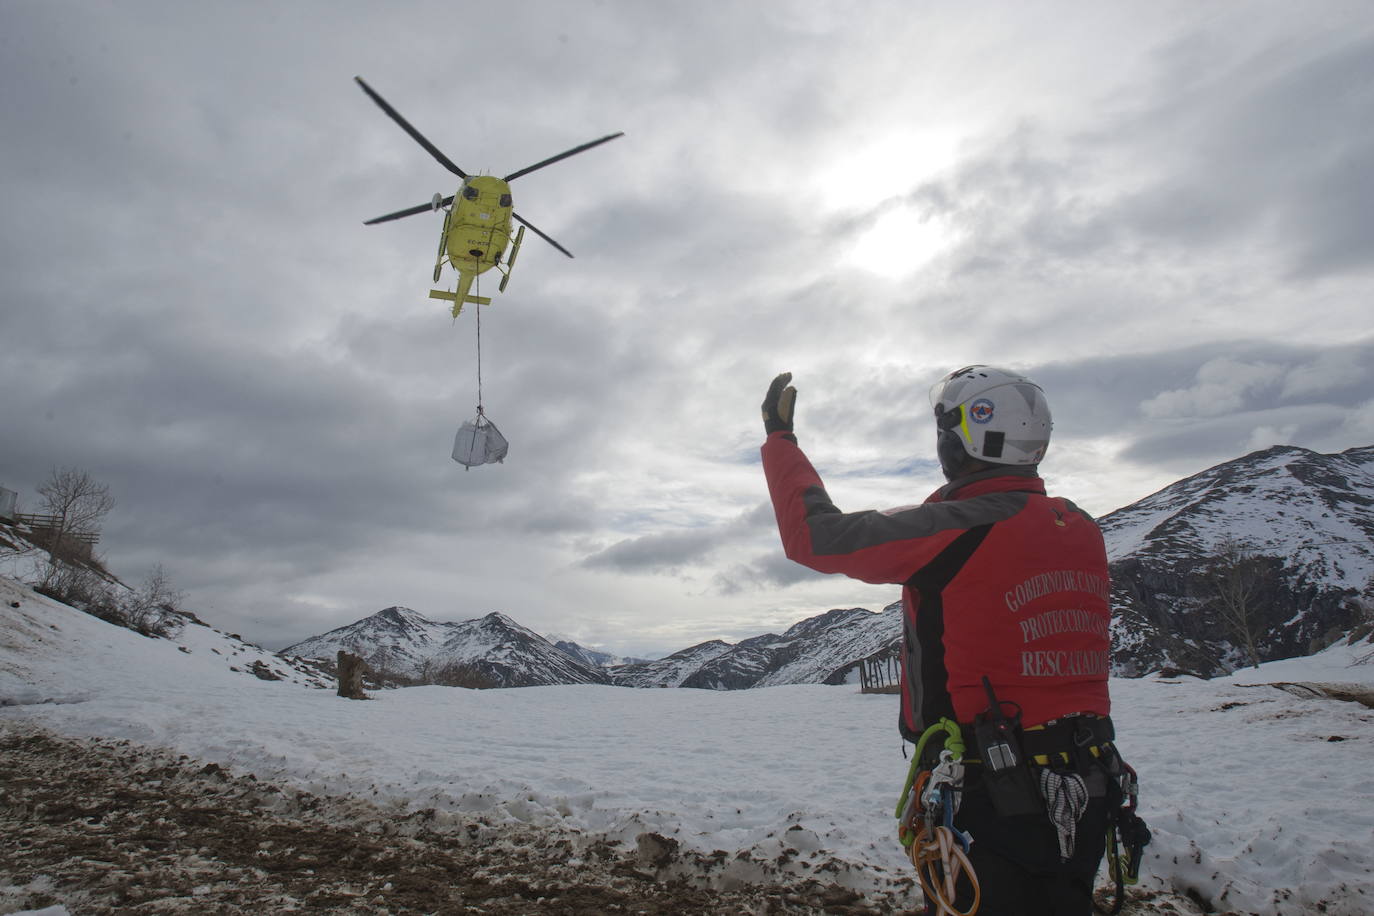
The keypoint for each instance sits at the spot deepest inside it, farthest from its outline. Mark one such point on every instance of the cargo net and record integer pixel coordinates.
(479, 442)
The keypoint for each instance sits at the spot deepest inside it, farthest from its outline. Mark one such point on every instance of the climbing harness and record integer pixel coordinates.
(925, 821)
(1054, 769)
(478, 440)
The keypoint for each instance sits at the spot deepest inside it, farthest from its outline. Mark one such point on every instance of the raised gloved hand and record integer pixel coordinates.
(778, 405)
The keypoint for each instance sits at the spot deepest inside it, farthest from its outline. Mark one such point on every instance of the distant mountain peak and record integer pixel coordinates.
(402, 615)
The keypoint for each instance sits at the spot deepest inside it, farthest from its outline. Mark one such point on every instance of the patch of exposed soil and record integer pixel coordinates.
(107, 827)
(111, 827)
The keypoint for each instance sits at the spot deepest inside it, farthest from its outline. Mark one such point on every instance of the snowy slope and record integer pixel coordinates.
(43, 643)
(1310, 517)
(1315, 510)
(1261, 801)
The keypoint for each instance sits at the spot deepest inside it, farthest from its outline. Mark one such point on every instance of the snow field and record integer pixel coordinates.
(1253, 806)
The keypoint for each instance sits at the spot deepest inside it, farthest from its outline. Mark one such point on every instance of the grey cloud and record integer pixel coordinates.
(1222, 387)
(1308, 395)
(655, 552)
(671, 551)
(194, 312)
(1162, 405)
(1264, 151)
(1246, 137)
(767, 571)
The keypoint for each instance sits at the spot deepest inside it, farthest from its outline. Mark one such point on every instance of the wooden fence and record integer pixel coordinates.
(45, 528)
(881, 672)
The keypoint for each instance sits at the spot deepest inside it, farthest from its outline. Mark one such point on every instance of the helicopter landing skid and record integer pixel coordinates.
(510, 261)
(439, 258)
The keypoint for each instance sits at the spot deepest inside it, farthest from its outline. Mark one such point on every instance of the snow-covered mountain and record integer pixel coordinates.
(1308, 516)
(495, 651)
(491, 651)
(396, 641)
(818, 650)
(594, 658)
(672, 670)
(832, 643)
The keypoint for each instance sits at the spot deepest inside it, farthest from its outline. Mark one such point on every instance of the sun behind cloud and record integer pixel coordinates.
(900, 242)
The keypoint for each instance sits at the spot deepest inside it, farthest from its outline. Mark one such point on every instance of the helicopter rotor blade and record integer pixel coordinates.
(551, 160)
(537, 232)
(425, 207)
(414, 134)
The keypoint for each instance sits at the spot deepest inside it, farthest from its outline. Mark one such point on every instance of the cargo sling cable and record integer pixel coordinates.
(483, 436)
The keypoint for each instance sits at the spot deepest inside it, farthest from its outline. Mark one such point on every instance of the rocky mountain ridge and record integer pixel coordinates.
(404, 646)
(1308, 518)
(491, 651)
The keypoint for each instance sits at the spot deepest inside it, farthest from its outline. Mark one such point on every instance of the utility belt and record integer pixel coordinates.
(1058, 742)
(1027, 770)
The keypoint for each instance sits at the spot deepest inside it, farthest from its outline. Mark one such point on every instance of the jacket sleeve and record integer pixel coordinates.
(878, 547)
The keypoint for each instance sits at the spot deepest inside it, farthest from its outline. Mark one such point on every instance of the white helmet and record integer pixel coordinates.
(992, 415)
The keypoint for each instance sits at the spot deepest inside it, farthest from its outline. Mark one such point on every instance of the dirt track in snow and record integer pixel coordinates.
(110, 827)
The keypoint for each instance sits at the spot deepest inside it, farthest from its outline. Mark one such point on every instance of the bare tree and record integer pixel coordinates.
(1238, 576)
(1364, 628)
(152, 610)
(77, 504)
(81, 587)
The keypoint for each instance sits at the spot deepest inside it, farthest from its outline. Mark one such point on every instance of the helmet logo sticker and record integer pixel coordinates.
(980, 411)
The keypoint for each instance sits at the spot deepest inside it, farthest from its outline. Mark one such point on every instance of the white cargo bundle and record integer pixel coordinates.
(479, 442)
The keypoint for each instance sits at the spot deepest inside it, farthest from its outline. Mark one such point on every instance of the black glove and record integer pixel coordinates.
(778, 405)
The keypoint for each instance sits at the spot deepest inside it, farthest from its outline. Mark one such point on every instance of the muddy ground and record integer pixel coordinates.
(110, 827)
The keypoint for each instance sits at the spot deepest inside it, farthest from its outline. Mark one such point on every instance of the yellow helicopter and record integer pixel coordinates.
(477, 220)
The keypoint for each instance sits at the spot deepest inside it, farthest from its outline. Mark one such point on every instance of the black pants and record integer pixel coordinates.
(1017, 858)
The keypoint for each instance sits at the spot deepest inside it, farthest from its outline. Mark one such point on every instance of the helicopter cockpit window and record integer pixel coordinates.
(505, 200)
(469, 193)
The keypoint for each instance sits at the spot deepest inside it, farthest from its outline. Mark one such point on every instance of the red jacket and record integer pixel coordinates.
(998, 580)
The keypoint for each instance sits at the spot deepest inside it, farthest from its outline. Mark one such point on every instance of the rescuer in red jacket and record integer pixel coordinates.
(999, 581)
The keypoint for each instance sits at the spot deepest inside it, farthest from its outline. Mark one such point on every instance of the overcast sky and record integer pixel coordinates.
(1162, 212)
